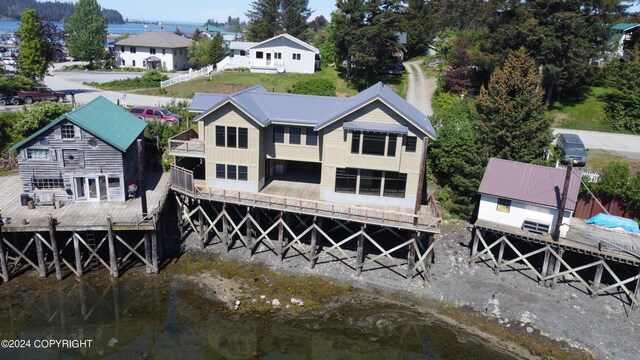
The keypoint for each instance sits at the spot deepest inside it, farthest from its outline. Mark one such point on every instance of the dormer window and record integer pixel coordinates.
(68, 131)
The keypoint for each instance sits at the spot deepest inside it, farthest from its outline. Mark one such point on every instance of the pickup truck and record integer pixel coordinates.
(40, 94)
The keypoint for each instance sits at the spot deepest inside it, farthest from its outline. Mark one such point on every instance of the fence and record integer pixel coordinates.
(186, 77)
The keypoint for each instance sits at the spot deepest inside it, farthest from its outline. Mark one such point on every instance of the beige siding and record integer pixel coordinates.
(295, 152)
(229, 115)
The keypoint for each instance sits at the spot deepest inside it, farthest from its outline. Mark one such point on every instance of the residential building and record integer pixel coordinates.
(625, 35)
(526, 196)
(88, 154)
(281, 53)
(153, 50)
(368, 149)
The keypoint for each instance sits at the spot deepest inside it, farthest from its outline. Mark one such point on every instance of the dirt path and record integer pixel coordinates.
(420, 88)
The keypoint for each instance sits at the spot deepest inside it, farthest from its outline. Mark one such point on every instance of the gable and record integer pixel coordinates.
(285, 39)
(280, 42)
(229, 114)
(378, 115)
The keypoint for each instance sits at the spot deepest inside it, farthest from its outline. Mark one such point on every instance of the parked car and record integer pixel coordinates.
(8, 61)
(572, 149)
(40, 94)
(8, 99)
(156, 114)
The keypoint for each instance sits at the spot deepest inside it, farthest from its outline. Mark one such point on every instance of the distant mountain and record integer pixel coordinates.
(50, 11)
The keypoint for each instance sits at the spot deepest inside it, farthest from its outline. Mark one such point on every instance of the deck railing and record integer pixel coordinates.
(186, 77)
(186, 143)
(182, 179)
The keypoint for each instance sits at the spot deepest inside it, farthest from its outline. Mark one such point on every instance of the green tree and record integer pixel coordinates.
(457, 158)
(37, 116)
(614, 181)
(206, 51)
(622, 108)
(418, 30)
(294, 15)
(32, 62)
(263, 20)
(511, 111)
(86, 31)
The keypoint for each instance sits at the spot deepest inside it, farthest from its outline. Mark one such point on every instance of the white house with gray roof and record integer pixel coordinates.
(526, 196)
(153, 50)
(281, 53)
(367, 149)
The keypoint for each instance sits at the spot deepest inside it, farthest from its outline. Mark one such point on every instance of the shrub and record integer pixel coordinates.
(151, 78)
(324, 87)
(9, 85)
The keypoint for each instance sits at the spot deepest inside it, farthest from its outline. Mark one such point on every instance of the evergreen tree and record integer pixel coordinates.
(32, 62)
(205, 51)
(293, 17)
(511, 111)
(264, 19)
(417, 28)
(623, 106)
(86, 31)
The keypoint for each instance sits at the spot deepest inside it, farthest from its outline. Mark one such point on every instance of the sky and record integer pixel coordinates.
(197, 11)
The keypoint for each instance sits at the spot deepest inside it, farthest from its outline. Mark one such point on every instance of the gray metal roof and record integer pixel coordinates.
(241, 45)
(318, 111)
(158, 39)
(528, 183)
(375, 127)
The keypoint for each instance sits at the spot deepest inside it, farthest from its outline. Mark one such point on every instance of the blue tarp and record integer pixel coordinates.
(611, 221)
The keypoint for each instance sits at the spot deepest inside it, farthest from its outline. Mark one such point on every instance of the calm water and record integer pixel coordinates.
(12, 26)
(173, 320)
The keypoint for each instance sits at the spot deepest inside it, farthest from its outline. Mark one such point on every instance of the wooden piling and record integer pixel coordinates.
(314, 240)
(113, 261)
(556, 270)
(200, 227)
(596, 281)
(54, 247)
(411, 256)
(76, 248)
(545, 266)
(147, 251)
(225, 228)
(360, 252)
(496, 271)
(154, 251)
(3, 257)
(281, 238)
(636, 292)
(42, 272)
(474, 246)
(428, 260)
(248, 237)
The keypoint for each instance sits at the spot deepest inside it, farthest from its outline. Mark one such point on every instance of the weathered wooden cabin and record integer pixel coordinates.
(88, 154)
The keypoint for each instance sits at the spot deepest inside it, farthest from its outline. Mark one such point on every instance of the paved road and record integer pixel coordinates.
(420, 89)
(73, 81)
(606, 141)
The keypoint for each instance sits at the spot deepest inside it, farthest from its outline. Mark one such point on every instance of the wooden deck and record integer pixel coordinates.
(581, 238)
(304, 198)
(82, 215)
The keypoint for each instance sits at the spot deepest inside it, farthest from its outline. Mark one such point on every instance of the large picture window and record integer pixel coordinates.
(278, 134)
(370, 182)
(395, 184)
(294, 135)
(346, 180)
(220, 136)
(373, 144)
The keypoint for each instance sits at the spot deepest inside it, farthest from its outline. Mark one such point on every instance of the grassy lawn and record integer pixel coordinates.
(232, 82)
(586, 114)
(4, 172)
(598, 159)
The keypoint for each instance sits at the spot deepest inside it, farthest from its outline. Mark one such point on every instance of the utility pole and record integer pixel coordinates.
(563, 201)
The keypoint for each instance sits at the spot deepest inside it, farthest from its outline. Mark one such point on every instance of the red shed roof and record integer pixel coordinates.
(529, 183)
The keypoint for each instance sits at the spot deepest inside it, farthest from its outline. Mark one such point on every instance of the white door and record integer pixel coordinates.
(86, 188)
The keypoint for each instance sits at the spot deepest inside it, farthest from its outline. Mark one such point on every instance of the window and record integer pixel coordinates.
(370, 181)
(50, 183)
(149, 112)
(243, 138)
(38, 154)
(410, 143)
(277, 56)
(394, 184)
(296, 56)
(242, 173)
(132, 49)
(259, 55)
(220, 171)
(164, 51)
(294, 135)
(220, 136)
(231, 137)
(504, 205)
(243, 53)
(312, 137)
(114, 182)
(346, 180)
(122, 48)
(278, 134)
(373, 144)
(231, 172)
(133, 63)
(68, 131)
(144, 63)
(391, 146)
(123, 63)
(355, 143)
(152, 50)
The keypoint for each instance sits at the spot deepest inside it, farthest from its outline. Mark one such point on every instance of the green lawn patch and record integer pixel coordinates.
(150, 79)
(586, 114)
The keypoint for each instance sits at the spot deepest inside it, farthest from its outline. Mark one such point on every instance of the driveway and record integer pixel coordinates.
(420, 88)
(620, 143)
(72, 81)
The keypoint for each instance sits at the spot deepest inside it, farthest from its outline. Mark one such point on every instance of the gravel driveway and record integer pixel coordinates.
(421, 88)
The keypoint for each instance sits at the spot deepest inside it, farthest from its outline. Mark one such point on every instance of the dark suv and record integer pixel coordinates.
(572, 149)
(156, 114)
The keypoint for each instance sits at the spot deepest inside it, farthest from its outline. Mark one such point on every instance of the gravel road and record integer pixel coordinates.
(420, 89)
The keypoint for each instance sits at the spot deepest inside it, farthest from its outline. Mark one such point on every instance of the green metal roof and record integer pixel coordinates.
(624, 26)
(102, 118)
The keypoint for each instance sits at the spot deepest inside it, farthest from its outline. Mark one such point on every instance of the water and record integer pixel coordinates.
(131, 28)
(171, 319)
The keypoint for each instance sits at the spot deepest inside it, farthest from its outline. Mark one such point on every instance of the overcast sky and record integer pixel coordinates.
(197, 11)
